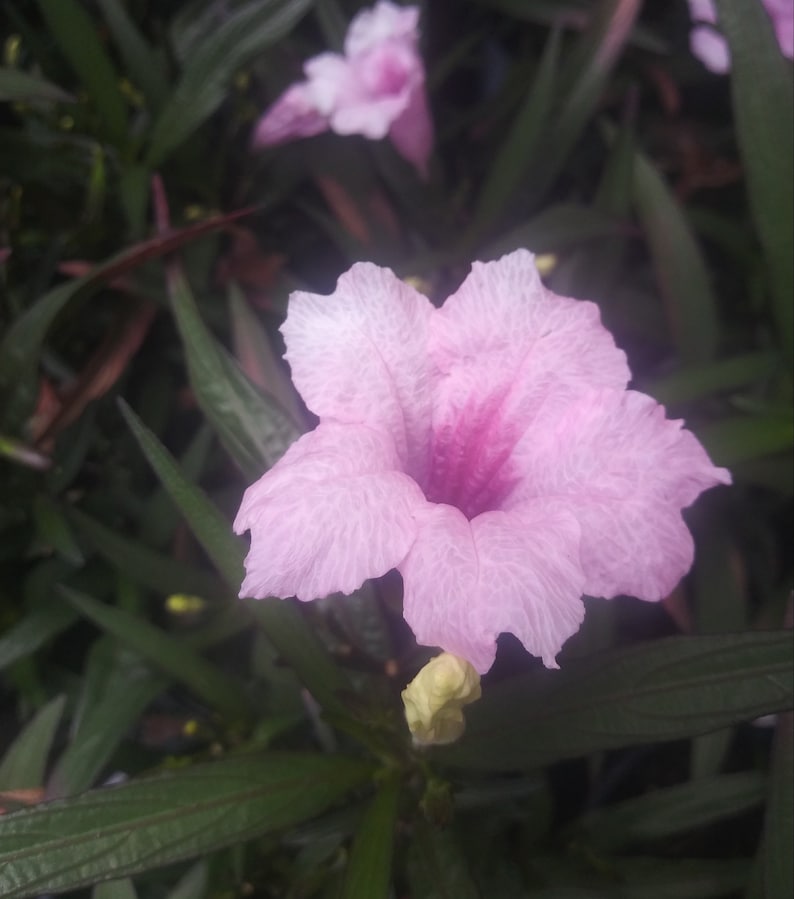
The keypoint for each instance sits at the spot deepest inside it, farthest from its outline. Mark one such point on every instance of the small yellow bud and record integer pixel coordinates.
(435, 698)
(546, 263)
(184, 604)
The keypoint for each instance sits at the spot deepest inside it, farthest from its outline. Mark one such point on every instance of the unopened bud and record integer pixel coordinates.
(435, 698)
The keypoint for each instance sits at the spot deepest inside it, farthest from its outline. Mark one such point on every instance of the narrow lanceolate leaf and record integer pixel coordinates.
(120, 831)
(34, 631)
(110, 710)
(145, 67)
(281, 621)
(150, 568)
(244, 34)
(252, 427)
(763, 101)
(166, 654)
(21, 344)
(211, 529)
(369, 869)
(515, 153)
(25, 761)
(666, 690)
(16, 86)
(586, 75)
(681, 271)
(74, 30)
(672, 811)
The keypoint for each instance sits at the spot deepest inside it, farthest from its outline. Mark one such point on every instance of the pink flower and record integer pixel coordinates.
(710, 46)
(489, 450)
(377, 88)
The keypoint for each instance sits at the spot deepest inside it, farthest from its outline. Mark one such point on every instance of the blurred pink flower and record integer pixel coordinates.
(710, 46)
(489, 450)
(377, 88)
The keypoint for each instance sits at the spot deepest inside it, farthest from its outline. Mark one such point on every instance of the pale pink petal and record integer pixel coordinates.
(468, 581)
(330, 82)
(380, 89)
(711, 48)
(614, 461)
(334, 511)
(293, 115)
(360, 356)
(412, 131)
(385, 21)
(782, 15)
(506, 347)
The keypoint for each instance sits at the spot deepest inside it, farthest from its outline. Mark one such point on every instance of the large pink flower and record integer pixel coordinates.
(489, 450)
(710, 46)
(377, 88)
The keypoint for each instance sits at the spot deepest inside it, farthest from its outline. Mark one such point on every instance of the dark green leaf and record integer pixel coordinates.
(119, 831)
(369, 869)
(675, 810)
(144, 66)
(16, 85)
(681, 271)
(150, 568)
(115, 889)
(25, 761)
(747, 437)
(763, 101)
(76, 33)
(205, 81)
(437, 867)
(34, 630)
(665, 690)
(167, 654)
(254, 430)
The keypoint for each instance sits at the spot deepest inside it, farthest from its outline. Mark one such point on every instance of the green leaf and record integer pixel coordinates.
(54, 530)
(437, 866)
(144, 66)
(256, 357)
(25, 761)
(75, 32)
(281, 620)
(120, 831)
(694, 382)
(254, 430)
(369, 870)
(16, 86)
(212, 530)
(113, 699)
(583, 81)
(747, 437)
(150, 568)
(665, 690)
(510, 164)
(166, 654)
(681, 271)
(193, 883)
(36, 629)
(204, 84)
(672, 811)
(21, 344)
(558, 227)
(115, 889)
(763, 102)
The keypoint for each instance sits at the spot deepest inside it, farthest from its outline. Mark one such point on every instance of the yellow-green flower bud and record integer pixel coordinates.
(435, 698)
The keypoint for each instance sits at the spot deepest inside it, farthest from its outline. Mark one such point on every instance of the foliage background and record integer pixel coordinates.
(147, 256)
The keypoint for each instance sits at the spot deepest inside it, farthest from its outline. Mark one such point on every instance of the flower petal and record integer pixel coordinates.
(360, 356)
(412, 131)
(506, 347)
(385, 21)
(468, 581)
(334, 511)
(294, 114)
(626, 472)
